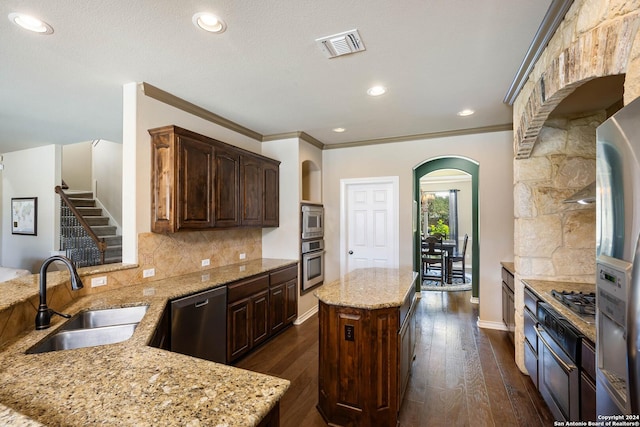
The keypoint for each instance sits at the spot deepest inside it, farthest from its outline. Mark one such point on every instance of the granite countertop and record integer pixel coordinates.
(543, 289)
(369, 288)
(130, 383)
(510, 266)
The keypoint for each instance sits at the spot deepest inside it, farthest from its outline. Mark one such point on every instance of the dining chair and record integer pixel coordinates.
(433, 259)
(458, 257)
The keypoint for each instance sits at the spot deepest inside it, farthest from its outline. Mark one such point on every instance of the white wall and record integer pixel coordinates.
(493, 152)
(31, 173)
(142, 113)
(107, 177)
(76, 165)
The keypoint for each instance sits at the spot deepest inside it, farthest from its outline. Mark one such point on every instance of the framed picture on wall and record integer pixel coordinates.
(24, 215)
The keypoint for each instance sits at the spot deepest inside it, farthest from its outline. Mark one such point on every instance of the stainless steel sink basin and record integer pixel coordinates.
(78, 338)
(92, 328)
(106, 317)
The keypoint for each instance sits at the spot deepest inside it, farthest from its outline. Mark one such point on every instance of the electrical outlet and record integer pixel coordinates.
(147, 292)
(243, 267)
(149, 272)
(206, 277)
(205, 262)
(98, 281)
(243, 256)
(349, 332)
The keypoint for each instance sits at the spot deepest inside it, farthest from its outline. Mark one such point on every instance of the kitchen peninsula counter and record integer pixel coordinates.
(131, 383)
(367, 340)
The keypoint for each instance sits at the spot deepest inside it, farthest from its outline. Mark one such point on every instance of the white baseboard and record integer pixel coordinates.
(474, 300)
(306, 316)
(500, 326)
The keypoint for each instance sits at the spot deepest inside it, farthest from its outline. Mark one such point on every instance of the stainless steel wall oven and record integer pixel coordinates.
(312, 265)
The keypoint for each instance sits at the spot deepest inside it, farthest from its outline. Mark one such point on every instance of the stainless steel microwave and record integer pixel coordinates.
(312, 221)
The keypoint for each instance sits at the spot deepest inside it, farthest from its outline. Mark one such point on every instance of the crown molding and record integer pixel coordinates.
(431, 135)
(550, 23)
(186, 106)
(302, 135)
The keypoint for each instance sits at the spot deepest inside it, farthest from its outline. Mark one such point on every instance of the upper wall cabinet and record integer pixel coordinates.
(198, 182)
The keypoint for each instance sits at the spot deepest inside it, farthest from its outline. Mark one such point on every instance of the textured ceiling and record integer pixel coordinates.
(265, 72)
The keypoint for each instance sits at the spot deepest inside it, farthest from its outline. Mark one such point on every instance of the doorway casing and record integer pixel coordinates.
(472, 168)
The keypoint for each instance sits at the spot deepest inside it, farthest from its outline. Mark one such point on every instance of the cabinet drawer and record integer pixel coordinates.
(507, 278)
(588, 358)
(239, 290)
(284, 275)
(530, 300)
(530, 329)
(531, 362)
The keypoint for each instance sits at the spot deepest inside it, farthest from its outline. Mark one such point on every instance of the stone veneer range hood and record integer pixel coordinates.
(584, 196)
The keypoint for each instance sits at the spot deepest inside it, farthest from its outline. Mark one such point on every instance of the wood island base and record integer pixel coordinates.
(365, 356)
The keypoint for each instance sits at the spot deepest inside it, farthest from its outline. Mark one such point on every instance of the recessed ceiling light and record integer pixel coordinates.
(339, 130)
(465, 112)
(376, 90)
(209, 22)
(30, 23)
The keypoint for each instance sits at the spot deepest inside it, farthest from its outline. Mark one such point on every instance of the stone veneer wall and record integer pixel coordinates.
(556, 240)
(597, 38)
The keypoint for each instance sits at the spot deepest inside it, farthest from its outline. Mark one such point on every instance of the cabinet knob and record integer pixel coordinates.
(350, 252)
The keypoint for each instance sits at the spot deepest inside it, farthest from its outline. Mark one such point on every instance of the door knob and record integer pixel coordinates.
(350, 252)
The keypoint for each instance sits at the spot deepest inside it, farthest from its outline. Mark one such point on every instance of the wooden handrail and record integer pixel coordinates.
(99, 241)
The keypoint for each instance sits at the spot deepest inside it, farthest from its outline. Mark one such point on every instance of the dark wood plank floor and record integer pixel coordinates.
(462, 375)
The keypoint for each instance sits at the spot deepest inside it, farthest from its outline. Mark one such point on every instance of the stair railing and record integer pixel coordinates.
(80, 243)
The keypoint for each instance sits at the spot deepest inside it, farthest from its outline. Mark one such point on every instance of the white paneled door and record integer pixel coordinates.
(370, 223)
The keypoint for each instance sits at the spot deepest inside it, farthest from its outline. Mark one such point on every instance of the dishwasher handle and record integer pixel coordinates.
(200, 299)
(201, 303)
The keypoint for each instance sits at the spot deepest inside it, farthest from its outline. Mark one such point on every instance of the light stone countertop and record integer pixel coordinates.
(543, 289)
(369, 288)
(510, 266)
(130, 383)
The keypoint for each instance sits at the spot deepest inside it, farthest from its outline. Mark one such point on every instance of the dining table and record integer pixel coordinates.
(449, 246)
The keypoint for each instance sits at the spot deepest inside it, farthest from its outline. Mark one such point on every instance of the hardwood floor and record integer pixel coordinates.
(462, 375)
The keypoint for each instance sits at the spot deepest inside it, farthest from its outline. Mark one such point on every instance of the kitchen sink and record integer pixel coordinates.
(79, 338)
(93, 328)
(105, 317)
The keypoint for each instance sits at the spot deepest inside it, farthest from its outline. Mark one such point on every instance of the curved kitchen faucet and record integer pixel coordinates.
(43, 318)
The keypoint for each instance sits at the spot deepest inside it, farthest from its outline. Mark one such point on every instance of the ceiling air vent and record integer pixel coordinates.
(341, 44)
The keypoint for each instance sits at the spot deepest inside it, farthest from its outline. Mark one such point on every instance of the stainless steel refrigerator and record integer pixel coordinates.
(618, 262)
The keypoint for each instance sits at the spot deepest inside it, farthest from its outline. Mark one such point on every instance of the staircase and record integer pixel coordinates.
(86, 205)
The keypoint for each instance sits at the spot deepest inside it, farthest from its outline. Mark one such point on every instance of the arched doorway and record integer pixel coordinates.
(472, 168)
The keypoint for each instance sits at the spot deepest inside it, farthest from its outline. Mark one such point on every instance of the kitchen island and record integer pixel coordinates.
(131, 383)
(367, 340)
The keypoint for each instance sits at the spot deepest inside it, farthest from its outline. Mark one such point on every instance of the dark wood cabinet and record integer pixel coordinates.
(365, 358)
(530, 335)
(251, 190)
(260, 307)
(271, 192)
(283, 295)
(227, 187)
(199, 182)
(508, 302)
(247, 315)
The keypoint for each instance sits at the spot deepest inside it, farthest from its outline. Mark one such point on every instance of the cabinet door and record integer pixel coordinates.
(271, 207)
(227, 176)
(259, 317)
(251, 190)
(238, 328)
(195, 189)
(291, 301)
(277, 304)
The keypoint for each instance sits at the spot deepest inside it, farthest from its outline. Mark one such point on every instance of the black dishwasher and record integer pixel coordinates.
(199, 325)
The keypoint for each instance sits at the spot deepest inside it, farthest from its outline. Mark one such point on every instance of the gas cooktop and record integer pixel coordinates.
(583, 304)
